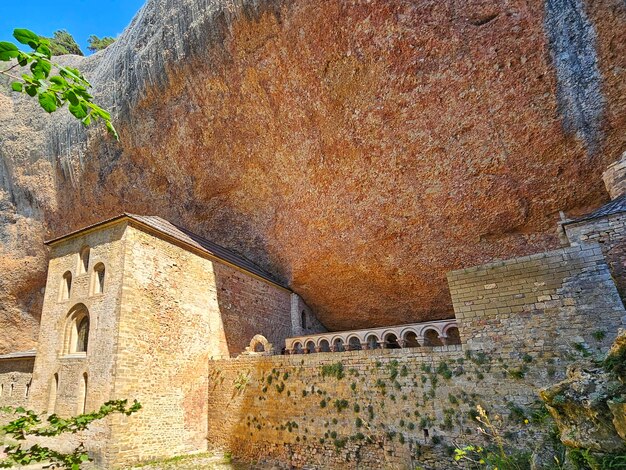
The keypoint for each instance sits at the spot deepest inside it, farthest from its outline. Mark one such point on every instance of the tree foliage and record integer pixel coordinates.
(28, 423)
(97, 44)
(53, 90)
(63, 43)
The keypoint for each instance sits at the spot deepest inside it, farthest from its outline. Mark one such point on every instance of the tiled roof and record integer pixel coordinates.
(616, 206)
(188, 239)
(19, 355)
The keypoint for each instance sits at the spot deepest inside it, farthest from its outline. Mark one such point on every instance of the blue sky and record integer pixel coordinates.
(80, 17)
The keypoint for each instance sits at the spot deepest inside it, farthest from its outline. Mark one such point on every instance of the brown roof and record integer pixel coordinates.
(187, 239)
(615, 206)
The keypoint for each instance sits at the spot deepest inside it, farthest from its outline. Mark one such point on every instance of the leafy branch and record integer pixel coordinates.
(68, 85)
(30, 423)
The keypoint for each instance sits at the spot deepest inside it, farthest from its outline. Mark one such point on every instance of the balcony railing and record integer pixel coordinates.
(435, 333)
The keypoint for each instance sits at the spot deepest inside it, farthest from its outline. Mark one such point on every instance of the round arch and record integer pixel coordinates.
(77, 327)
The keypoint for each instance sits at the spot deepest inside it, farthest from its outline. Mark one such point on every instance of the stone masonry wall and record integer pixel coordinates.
(522, 322)
(390, 408)
(543, 302)
(106, 246)
(178, 311)
(15, 381)
(610, 233)
(249, 306)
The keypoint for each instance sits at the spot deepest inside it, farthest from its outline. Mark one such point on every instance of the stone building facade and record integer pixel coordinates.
(138, 308)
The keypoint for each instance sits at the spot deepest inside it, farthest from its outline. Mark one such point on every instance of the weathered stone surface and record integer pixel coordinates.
(588, 406)
(357, 149)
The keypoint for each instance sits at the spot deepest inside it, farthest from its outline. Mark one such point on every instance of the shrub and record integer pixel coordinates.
(333, 370)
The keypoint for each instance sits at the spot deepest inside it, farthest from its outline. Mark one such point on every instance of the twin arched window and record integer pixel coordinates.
(77, 331)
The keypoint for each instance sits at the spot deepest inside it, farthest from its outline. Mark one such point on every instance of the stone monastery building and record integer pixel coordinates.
(137, 307)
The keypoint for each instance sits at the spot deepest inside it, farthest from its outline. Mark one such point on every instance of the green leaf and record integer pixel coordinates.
(17, 86)
(31, 90)
(73, 99)
(45, 50)
(57, 80)
(23, 58)
(114, 133)
(8, 51)
(48, 101)
(41, 68)
(26, 36)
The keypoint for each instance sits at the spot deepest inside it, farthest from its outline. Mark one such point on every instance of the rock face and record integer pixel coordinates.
(589, 407)
(359, 150)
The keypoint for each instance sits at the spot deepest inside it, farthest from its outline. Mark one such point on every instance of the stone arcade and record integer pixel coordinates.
(136, 307)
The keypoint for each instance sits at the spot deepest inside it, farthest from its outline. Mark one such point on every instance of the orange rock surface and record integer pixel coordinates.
(359, 150)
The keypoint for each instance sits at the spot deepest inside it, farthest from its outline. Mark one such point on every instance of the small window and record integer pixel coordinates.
(66, 286)
(98, 279)
(27, 391)
(303, 320)
(83, 265)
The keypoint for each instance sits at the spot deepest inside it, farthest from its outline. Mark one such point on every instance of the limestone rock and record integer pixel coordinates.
(588, 406)
(358, 150)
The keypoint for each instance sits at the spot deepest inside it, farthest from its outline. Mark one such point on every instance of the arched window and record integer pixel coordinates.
(297, 348)
(391, 341)
(453, 335)
(66, 286)
(410, 340)
(97, 281)
(11, 387)
(324, 346)
(303, 320)
(354, 344)
(372, 342)
(83, 265)
(27, 391)
(82, 395)
(77, 331)
(338, 345)
(431, 338)
(82, 339)
(52, 399)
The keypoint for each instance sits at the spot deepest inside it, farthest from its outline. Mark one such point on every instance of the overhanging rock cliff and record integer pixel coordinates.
(358, 150)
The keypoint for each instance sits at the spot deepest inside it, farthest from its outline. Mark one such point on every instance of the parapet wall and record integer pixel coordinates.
(538, 303)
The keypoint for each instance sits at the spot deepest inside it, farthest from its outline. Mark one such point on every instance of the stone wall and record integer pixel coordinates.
(390, 408)
(610, 233)
(178, 311)
(522, 322)
(53, 357)
(538, 303)
(15, 381)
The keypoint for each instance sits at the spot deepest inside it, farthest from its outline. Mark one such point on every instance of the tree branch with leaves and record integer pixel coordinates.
(30, 424)
(53, 90)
